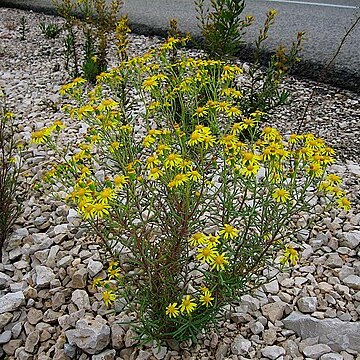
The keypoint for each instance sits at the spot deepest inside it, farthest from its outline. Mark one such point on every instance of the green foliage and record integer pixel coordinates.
(190, 215)
(222, 26)
(22, 28)
(51, 30)
(223, 29)
(10, 167)
(97, 21)
(263, 92)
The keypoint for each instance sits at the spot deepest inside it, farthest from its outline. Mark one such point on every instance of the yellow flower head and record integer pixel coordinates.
(96, 282)
(212, 239)
(290, 256)
(344, 203)
(109, 297)
(281, 195)
(201, 112)
(194, 175)
(206, 298)
(250, 170)
(172, 310)
(229, 231)
(334, 179)
(155, 173)
(152, 161)
(187, 305)
(40, 136)
(233, 111)
(270, 134)
(206, 254)
(178, 180)
(120, 181)
(106, 195)
(219, 262)
(197, 239)
(172, 160)
(99, 210)
(150, 83)
(315, 170)
(196, 138)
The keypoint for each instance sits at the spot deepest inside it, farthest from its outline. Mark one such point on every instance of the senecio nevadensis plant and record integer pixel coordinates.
(11, 162)
(190, 211)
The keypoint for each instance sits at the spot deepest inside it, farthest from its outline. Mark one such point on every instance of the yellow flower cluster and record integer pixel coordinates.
(208, 252)
(109, 285)
(189, 304)
(43, 135)
(95, 203)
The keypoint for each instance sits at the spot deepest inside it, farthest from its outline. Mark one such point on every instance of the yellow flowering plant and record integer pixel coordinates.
(190, 210)
(11, 166)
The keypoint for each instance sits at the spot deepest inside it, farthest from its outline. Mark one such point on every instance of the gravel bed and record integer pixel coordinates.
(48, 310)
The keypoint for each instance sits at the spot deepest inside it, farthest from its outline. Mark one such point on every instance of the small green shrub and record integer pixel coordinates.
(51, 30)
(97, 21)
(223, 29)
(10, 168)
(222, 26)
(22, 28)
(189, 213)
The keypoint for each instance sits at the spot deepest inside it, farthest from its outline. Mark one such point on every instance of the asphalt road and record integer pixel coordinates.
(324, 21)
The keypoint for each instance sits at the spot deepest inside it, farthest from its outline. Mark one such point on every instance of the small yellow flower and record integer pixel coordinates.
(229, 140)
(206, 298)
(113, 273)
(109, 297)
(155, 173)
(344, 203)
(106, 195)
(209, 141)
(290, 256)
(206, 254)
(120, 181)
(187, 305)
(178, 180)
(294, 138)
(99, 210)
(161, 148)
(148, 140)
(250, 170)
(248, 123)
(197, 239)
(212, 239)
(223, 106)
(172, 310)
(152, 161)
(194, 175)
(229, 231)
(334, 179)
(281, 195)
(196, 138)
(270, 134)
(200, 112)
(40, 136)
(172, 160)
(96, 282)
(107, 104)
(233, 111)
(315, 170)
(249, 158)
(150, 83)
(219, 262)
